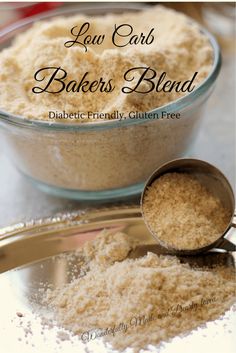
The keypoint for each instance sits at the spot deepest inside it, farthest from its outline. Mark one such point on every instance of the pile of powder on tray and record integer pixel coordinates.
(183, 213)
(179, 48)
(134, 303)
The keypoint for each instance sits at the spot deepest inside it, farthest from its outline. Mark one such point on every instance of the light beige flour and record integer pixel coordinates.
(179, 49)
(134, 303)
(119, 157)
(183, 213)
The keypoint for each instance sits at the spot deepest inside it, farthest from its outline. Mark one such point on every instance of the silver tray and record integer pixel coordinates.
(30, 258)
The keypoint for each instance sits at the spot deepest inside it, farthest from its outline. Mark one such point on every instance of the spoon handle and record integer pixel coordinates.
(226, 245)
(234, 221)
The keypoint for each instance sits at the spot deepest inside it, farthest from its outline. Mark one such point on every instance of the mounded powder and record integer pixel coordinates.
(182, 213)
(134, 303)
(179, 49)
(111, 158)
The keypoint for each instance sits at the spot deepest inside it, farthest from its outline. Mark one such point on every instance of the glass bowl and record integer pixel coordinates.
(101, 160)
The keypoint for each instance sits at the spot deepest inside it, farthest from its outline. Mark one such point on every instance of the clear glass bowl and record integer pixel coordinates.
(106, 160)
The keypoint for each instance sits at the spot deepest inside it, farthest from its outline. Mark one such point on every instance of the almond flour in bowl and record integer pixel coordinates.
(103, 159)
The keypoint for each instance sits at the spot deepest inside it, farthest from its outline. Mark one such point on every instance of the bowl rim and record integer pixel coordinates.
(174, 106)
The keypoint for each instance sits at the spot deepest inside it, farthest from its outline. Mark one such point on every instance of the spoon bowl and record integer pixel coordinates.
(214, 181)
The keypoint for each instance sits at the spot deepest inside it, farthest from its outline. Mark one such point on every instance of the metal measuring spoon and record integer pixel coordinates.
(216, 182)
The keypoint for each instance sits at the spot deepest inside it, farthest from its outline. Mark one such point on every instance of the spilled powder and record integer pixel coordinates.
(183, 213)
(134, 303)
